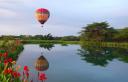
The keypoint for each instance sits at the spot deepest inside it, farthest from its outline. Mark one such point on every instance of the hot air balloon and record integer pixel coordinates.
(41, 64)
(42, 15)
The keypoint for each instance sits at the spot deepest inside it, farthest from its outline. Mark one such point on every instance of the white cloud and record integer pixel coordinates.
(66, 16)
(35, 29)
(15, 29)
(7, 13)
(60, 30)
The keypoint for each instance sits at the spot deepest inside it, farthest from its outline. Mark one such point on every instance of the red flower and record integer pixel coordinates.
(16, 74)
(26, 68)
(5, 54)
(0, 54)
(42, 76)
(27, 74)
(8, 71)
(10, 60)
(5, 62)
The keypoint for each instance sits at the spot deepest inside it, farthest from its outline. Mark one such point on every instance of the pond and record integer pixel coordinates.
(74, 63)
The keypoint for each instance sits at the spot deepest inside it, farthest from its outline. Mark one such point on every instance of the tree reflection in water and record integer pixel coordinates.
(47, 46)
(101, 56)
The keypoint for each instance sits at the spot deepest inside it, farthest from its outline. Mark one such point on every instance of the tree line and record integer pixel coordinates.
(97, 31)
(40, 37)
(101, 31)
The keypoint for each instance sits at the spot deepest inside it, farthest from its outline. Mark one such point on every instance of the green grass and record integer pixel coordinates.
(90, 43)
(49, 41)
(10, 47)
(106, 44)
(1, 42)
(6, 42)
(16, 53)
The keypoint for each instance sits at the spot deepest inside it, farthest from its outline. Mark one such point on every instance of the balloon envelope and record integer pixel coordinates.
(42, 15)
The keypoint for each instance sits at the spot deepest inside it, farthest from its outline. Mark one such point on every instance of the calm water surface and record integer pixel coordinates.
(73, 64)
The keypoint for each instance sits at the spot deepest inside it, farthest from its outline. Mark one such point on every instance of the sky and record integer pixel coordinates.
(67, 17)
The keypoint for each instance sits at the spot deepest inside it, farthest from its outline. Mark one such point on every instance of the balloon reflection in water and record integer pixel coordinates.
(41, 64)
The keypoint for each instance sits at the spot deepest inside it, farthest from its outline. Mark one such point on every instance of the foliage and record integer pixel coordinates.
(122, 35)
(100, 31)
(70, 38)
(100, 54)
(95, 31)
(47, 46)
(9, 71)
(40, 37)
(13, 47)
(49, 41)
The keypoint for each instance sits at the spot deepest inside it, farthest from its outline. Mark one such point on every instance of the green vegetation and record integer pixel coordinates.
(16, 53)
(47, 46)
(70, 38)
(49, 41)
(41, 37)
(12, 47)
(101, 55)
(103, 32)
(96, 33)
(106, 44)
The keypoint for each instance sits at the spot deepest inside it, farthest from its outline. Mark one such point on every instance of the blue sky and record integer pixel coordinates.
(67, 17)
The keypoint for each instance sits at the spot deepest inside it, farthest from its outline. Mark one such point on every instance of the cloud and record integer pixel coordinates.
(35, 29)
(15, 29)
(7, 13)
(66, 16)
(60, 30)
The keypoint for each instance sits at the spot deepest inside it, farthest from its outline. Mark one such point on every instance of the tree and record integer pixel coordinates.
(48, 37)
(111, 32)
(70, 38)
(95, 31)
(122, 35)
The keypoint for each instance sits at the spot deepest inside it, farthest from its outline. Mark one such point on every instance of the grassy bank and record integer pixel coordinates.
(49, 41)
(16, 53)
(106, 44)
(89, 43)
(11, 47)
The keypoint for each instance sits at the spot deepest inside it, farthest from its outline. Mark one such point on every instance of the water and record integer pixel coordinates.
(75, 64)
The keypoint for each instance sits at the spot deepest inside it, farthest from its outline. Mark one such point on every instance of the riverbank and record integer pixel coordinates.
(106, 44)
(87, 43)
(49, 41)
(12, 47)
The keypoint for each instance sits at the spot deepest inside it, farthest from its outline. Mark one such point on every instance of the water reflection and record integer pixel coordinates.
(63, 44)
(41, 64)
(47, 46)
(66, 66)
(101, 56)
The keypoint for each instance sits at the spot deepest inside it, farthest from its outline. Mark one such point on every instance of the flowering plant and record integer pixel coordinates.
(9, 72)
